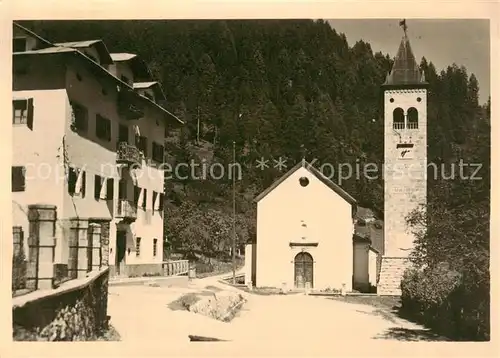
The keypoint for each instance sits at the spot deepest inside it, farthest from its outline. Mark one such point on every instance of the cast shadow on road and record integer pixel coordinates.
(389, 309)
(410, 335)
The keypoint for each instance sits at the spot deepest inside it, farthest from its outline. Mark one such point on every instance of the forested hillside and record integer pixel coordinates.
(272, 86)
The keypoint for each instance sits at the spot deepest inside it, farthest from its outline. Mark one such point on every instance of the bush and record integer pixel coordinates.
(439, 298)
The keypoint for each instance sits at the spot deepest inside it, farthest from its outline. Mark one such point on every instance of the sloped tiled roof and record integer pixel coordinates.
(304, 164)
(45, 42)
(118, 57)
(405, 70)
(47, 50)
(104, 55)
(157, 88)
(138, 66)
(374, 231)
(83, 44)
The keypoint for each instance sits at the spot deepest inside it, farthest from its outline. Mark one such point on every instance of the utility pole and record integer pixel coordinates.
(233, 251)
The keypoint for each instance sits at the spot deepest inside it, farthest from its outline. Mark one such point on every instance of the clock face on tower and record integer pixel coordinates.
(405, 150)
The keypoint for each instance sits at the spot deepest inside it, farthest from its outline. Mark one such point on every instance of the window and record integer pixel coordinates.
(22, 112)
(398, 118)
(18, 179)
(155, 246)
(19, 44)
(103, 128)
(97, 187)
(142, 144)
(137, 246)
(122, 133)
(110, 188)
(76, 182)
(144, 199)
(158, 151)
(122, 189)
(304, 181)
(80, 117)
(412, 117)
(137, 194)
(154, 203)
(160, 205)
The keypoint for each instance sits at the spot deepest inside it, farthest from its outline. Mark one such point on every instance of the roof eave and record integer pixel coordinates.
(31, 33)
(337, 189)
(396, 86)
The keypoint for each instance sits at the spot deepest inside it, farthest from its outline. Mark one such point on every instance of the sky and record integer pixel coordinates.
(442, 42)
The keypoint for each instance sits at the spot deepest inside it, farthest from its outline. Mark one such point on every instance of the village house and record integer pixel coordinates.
(309, 234)
(88, 137)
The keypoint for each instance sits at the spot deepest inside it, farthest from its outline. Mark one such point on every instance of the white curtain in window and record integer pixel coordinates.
(104, 189)
(157, 202)
(79, 182)
(141, 197)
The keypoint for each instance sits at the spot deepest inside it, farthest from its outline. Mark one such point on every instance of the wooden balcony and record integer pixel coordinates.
(126, 210)
(129, 105)
(128, 154)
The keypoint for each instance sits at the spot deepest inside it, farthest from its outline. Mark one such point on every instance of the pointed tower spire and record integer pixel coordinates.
(405, 70)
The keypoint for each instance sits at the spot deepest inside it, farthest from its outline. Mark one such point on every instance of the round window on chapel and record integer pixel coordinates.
(391, 100)
(419, 99)
(304, 181)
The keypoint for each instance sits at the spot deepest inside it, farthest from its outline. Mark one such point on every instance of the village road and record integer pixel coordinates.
(292, 323)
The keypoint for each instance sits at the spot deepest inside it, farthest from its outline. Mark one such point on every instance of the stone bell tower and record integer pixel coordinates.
(405, 161)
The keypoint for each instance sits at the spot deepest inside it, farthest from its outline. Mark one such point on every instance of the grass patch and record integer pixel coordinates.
(264, 291)
(184, 302)
(390, 303)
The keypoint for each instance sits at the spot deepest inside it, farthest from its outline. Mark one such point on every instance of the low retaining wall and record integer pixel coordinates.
(139, 270)
(76, 311)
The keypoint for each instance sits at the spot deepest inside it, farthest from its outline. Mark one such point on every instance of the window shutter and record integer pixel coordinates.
(137, 193)
(83, 184)
(18, 179)
(72, 177)
(145, 198)
(97, 186)
(161, 198)
(31, 110)
(137, 246)
(110, 189)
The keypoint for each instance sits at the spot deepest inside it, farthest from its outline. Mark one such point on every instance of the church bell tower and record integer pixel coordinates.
(405, 161)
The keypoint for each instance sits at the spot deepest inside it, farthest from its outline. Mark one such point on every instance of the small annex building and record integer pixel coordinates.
(306, 236)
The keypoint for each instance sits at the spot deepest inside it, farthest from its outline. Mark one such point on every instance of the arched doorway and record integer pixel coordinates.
(303, 263)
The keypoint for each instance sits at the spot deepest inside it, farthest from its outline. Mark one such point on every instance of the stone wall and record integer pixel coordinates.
(76, 311)
(139, 270)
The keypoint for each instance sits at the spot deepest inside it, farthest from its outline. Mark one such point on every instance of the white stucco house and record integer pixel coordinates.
(306, 236)
(88, 137)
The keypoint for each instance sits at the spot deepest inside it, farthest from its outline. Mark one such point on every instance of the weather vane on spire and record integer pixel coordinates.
(402, 23)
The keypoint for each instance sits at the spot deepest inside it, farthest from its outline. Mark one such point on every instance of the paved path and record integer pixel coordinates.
(140, 314)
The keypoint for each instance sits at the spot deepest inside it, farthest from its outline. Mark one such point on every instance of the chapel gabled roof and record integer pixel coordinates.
(405, 70)
(317, 173)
